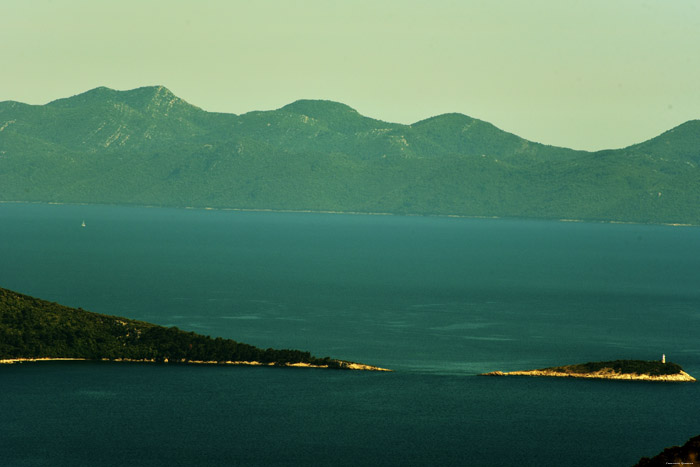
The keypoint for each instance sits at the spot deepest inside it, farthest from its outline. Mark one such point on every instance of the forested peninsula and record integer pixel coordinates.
(639, 370)
(33, 330)
(147, 146)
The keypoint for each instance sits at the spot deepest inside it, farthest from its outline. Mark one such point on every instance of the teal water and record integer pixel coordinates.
(439, 300)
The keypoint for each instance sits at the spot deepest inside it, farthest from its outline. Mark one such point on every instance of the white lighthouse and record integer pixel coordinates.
(663, 358)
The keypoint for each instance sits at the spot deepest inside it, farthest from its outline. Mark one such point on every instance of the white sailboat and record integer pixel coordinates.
(83, 224)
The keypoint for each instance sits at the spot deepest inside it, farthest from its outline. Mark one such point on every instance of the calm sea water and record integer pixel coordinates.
(439, 300)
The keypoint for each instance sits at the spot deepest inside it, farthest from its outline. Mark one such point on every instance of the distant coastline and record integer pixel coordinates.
(146, 146)
(351, 213)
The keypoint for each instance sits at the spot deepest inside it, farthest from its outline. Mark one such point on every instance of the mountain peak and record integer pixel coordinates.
(146, 98)
(101, 92)
(150, 93)
(339, 117)
(318, 108)
(155, 98)
(447, 119)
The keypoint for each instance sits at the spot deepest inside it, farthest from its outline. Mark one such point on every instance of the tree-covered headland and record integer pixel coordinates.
(31, 328)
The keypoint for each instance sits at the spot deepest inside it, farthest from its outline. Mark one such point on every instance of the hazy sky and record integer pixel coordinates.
(584, 74)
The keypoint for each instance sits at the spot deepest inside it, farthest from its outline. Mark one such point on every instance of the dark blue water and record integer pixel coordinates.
(437, 299)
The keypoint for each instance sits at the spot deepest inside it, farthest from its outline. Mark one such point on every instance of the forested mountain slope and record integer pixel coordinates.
(149, 147)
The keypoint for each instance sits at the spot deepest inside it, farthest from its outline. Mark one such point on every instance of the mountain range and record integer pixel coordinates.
(148, 147)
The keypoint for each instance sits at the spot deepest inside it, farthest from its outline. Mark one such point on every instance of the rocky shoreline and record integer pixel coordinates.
(343, 365)
(679, 377)
(636, 370)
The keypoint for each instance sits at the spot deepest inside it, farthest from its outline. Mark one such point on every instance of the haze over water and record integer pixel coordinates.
(439, 300)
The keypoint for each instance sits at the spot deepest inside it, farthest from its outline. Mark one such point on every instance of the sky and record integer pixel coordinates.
(581, 74)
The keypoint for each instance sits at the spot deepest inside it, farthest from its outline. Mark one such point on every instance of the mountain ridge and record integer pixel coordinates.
(148, 146)
(688, 133)
(294, 107)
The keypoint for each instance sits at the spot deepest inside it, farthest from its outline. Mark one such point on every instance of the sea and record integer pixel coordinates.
(438, 300)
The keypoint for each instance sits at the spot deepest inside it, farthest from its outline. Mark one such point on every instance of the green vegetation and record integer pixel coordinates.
(688, 454)
(33, 328)
(640, 367)
(148, 147)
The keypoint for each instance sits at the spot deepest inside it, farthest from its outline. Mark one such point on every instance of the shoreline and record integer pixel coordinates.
(678, 377)
(353, 213)
(10, 361)
(343, 364)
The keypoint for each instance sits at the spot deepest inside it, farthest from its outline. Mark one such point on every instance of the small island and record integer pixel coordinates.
(33, 330)
(639, 370)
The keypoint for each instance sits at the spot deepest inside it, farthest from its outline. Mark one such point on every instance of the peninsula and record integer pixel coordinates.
(37, 330)
(639, 370)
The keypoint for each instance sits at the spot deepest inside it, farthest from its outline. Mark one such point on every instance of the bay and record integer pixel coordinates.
(438, 300)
